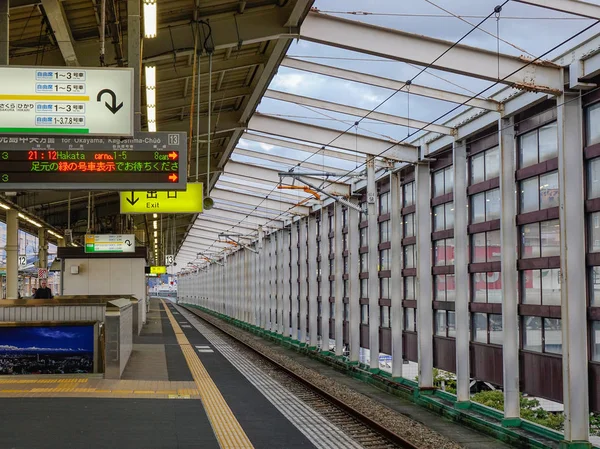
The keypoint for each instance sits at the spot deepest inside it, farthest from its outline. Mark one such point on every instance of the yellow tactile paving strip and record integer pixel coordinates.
(227, 429)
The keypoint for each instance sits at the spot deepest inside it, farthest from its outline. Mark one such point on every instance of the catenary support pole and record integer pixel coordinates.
(353, 283)
(303, 276)
(373, 283)
(339, 279)
(295, 283)
(325, 290)
(397, 281)
(313, 291)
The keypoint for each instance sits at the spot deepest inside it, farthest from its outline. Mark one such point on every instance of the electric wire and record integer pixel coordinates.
(443, 16)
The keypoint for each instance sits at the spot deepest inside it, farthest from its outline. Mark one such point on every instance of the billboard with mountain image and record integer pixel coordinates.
(46, 350)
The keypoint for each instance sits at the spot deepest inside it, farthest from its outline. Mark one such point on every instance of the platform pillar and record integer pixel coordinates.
(424, 278)
(295, 289)
(325, 290)
(338, 254)
(509, 245)
(313, 291)
(134, 58)
(373, 282)
(571, 177)
(303, 275)
(274, 264)
(285, 309)
(461, 271)
(12, 254)
(4, 31)
(353, 283)
(397, 281)
(43, 248)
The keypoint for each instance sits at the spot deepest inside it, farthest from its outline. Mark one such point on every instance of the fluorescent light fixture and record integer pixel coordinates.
(4, 206)
(150, 76)
(155, 241)
(55, 234)
(150, 18)
(150, 97)
(33, 222)
(154, 215)
(152, 127)
(151, 114)
(155, 233)
(155, 224)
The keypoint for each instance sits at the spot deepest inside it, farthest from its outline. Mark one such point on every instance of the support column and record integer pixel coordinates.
(313, 291)
(397, 281)
(246, 287)
(285, 308)
(510, 298)
(223, 285)
(295, 286)
(571, 177)
(461, 272)
(273, 283)
(134, 57)
(266, 286)
(338, 254)
(373, 286)
(43, 248)
(353, 283)
(259, 278)
(281, 278)
(12, 254)
(424, 279)
(4, 31)
(325, 290)
(254, 280)
(302, 273)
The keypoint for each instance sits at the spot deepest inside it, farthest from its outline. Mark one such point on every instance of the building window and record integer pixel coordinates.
(344, 242)
(384, 231)
(541, 287)
(344, 217)
(539, 192)
(538, 146)
(384, 260)
(444, 288)
(540, 239)
(384, 313)
(409, 287)
(346, 311)
(409, 256)
(542, 334)
(409, 320)
(364, 288)
(485, 247)
(364, 237)
(384, 288)
(409, 225)
(364, 262)
(332, 310)
(593, 125)
(485, 165)
(443, 217)
(345, 288)
(364, 313)
(595, 287)
(486, 287)
(593, 178)
(331, 289)
(345, 264)
(384, 203)
(445, 323)
(486, 328)
(594, 234)
(408, 196)
(485, 206)
(595, 341)
(443, 182)
(443, 252)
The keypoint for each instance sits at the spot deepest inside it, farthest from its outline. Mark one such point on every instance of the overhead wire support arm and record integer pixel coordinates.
(235, 238)
(333, 197)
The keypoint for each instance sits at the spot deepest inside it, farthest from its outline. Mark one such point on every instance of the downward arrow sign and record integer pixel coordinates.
(133, 199)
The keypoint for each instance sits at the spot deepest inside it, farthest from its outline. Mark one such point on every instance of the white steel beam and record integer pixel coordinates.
(265, 203)
(575, 7)
(251, 212)
(333, 138)
(217, 225)
(278, 194)
(417, 49)
(257, 173)
(62, 32)
(352, 157)
(358, 112)
(283, 160)
(387, 83)
(300, 9)
(217, 213)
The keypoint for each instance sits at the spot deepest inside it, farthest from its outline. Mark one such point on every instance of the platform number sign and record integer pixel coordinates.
(173, 139)
(169, 259)
(22, 261)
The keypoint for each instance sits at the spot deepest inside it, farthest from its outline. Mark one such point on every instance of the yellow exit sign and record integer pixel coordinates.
(154, 202)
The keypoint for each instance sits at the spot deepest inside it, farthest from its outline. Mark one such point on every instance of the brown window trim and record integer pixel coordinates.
(538, 263)
(384, 185)
(443, 159)
(446, 198)
(345, 300)
(539, 310)
(345, 253)
(536, 121)
(363, 275)
(384, 246)
(592, 205)
(364, 302)
(385, 302)
(332, 277)
(538, 216)
(593, 259)
(444, 305)
(485, 267)
(331, 233)
(594, 313)
(408, 272)
(591, 98)
(409, 241)
(409, 209)
(384, 217)
(537, 169)
(592, 152)
(441, 235)
(363, 224)
(442, 269)
(484, 226)
(485, 307)
(483, 186)
(345, 276)
(385, 274)
(363, 250)
(409, 303)
(483, 144)
(408, 176)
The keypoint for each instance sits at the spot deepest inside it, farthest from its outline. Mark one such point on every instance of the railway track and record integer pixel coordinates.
(362, 429)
